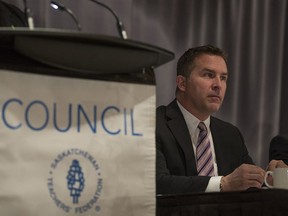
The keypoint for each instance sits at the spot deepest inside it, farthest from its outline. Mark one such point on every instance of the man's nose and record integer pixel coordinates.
(217, 84)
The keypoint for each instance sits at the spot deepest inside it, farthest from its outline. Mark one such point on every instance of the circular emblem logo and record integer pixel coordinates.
(74, 182)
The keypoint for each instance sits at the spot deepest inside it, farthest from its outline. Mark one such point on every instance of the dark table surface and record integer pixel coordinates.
(251, 202)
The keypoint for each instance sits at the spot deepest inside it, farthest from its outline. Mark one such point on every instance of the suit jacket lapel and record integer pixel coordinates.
(221, 147)
(180, 131)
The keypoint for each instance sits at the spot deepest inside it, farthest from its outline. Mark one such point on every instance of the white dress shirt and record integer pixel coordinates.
(192, 123)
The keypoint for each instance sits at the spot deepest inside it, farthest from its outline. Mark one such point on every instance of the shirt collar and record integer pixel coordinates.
(191, 121)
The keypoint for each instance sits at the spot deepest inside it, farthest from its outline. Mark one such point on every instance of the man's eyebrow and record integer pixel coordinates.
(213, 71)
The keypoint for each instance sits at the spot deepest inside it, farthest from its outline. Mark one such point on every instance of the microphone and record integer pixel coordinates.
(120, 26)
(29, 18)
(278, 149)
(61, 7)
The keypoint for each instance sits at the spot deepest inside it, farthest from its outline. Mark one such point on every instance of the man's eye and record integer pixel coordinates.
(210, 75)
(224, 78)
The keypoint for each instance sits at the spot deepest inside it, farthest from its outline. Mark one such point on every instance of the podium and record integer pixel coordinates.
(82, 55)
(77, 124)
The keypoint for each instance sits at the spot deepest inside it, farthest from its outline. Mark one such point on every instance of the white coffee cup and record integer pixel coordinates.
(280, 178)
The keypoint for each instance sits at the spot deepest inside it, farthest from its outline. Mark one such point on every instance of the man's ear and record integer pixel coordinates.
(181, 82)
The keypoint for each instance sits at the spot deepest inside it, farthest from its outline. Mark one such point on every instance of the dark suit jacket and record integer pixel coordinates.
(279, 148)
(175, 163)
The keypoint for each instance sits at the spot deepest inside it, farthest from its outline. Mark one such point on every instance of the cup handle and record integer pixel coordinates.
(265, 179)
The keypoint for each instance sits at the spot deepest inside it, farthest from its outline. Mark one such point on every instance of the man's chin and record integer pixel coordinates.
(214, 107)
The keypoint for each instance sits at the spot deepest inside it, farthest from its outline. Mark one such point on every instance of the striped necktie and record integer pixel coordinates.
(205, 165)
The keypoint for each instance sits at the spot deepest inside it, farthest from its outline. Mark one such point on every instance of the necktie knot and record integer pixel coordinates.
(202, 126)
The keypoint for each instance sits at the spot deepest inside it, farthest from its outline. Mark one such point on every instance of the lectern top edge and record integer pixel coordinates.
(69, 53)
(25, 41)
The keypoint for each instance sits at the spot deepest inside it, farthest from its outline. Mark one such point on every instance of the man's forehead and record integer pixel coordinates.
(211, 62)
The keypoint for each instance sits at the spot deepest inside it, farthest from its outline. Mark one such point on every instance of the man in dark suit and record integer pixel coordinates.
(201, 85)
(279, 148)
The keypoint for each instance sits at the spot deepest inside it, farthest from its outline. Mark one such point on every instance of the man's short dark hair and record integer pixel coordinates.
(185, 63)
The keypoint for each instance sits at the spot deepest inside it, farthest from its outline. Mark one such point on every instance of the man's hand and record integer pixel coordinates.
(244, 177)
(276, 164)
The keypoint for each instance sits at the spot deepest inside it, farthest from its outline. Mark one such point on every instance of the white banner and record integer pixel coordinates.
(76, 147)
